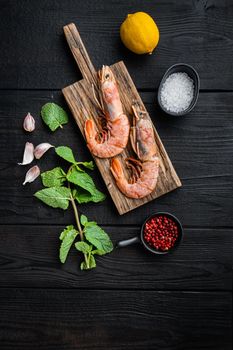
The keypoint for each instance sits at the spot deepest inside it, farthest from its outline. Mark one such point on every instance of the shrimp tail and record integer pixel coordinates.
(89, 130)
(116, 169)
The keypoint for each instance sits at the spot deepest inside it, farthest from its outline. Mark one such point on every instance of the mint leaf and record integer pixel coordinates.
(54, 177)
(65, 153)
(98, 237)
(90, 223)
(92, 262)
(74, 192)
(80, 178)
(84, 181)
(56, 197)
(67, 237)
(83, 219)
(89, 165)
(83, 266)
(83, 196)
(83, 247)
(53, 115)
(97, 252)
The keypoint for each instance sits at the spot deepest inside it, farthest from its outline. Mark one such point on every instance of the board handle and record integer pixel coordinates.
(80, 53)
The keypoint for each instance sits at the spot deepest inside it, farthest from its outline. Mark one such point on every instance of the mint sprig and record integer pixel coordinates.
(99, 239)
(75, 186)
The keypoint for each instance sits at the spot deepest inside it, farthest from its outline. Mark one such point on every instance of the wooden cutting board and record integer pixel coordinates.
(79, 97)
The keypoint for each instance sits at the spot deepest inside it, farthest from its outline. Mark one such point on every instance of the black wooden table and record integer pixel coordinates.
(132, 300)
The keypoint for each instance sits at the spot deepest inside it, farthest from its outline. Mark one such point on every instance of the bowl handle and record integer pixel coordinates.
(126, 242)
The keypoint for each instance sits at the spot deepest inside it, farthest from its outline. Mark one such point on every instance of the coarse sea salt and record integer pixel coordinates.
(177, 92)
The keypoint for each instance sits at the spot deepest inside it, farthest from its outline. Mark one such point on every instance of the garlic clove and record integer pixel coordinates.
(28, 154)
(41, 149)
(29, 123)
(32, 174)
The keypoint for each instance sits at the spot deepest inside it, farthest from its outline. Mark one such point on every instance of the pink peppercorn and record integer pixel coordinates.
(160, 232)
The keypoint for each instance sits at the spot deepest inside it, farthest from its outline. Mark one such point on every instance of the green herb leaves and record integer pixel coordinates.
(54, 116)
(88, 191)
(89, 165)
(83, 220)
(83, 247)
(65, 153)
(91, 264)
(80, 188)
(97, 237)
(85, 190)
(54, 177)
(56, 197)
(67, 237)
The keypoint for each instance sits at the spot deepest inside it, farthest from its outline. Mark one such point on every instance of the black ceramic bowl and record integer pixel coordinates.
(140, 239)
(178, 240)
(192, 73)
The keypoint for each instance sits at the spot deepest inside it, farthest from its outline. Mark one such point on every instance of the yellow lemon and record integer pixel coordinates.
(139, 33)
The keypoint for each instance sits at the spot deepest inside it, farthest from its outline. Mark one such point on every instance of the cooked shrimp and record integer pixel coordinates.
(113, 137)
(144, 170)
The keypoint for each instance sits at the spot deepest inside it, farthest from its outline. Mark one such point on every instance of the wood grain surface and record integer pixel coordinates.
(135, 320)
(132, 300)
(199, 265)
(200, 146)
(34, 55)
(80, 99)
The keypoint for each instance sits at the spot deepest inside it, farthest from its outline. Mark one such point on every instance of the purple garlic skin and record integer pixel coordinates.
(41, 149)
(28, 154)
(32, 174)
(29, 123)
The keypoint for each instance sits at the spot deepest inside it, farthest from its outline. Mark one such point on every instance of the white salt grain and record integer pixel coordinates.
(177, 92)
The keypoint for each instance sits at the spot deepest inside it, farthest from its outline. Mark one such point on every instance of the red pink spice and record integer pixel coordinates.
(160, 232)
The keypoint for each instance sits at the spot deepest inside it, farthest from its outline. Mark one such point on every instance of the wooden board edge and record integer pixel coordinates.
(122, 212)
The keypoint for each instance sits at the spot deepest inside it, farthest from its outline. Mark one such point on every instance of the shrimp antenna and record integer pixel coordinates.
(99, 103)
(95, 98)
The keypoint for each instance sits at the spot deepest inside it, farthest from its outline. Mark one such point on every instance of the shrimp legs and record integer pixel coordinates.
(145, 169)
(113, 137)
